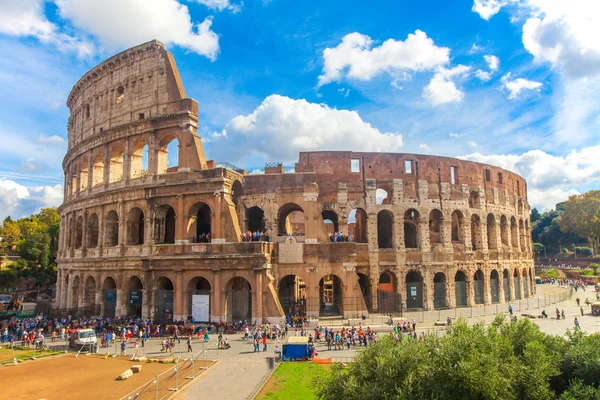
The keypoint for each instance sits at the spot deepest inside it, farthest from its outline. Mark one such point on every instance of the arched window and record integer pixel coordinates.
(92, 234)
(116, 165)
(385, 231)
(435, 226)
(330, 219)
(255, 217)
(411, 223)
(457, 227)
(164, 225)
(476, 240)
(504, 230)
(139, 160)
(83, 175)
(112, 229)
(291, 220)
(168, 155)
(135, 227)
(491, 232)
(514, 232)
(357, 225)
(79, 232)
(98, 170)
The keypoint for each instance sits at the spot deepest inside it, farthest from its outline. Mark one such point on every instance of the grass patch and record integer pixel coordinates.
(551, 273)
(23, 354)
(293, 380)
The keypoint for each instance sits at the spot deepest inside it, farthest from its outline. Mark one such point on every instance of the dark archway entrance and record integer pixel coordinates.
(256, 219)
(388, 298)
(109, 293)
(292, 295)
(203, 228)
(163, 300)
(460, 289)
(411, 221)
(478, 286)
(331, 296)
(89, 297)
(385, 223)
(439, 291)
(330, 219)
(494, 287)
(135, 297)
(238, 303)
(357, 225)
(505, 285)
(365, 290)
(414, 290)
(517, 284)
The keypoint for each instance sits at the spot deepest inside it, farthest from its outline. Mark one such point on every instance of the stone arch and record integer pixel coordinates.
(514, 233)
(290, 220)
(411, 229)
(385, 229)
(169, 154)
(109, 297)
(388, 299)
(98, 170)
(358, 217)
(504, 228)
(74, 293)
(111, 234)
(139, 159)
(495, 286)
(491, 232)
(414, 290)
(237, 190)
(79, 232)
(238, 302)
(255, 219)
(200, 222)
(92, 231)
(89, 296)
(460, 289)
(457, 227)
(200, 286)
(517, 284)
(135, 296)
(439, 291)
(506, 284)
(478, 282)
(330, 219)
(163, 300)
(476, 239)
(331, 295)
(115, 165)
(436, 220)
(165, 224)
(136, 223)
(84, 174)
(292, 295)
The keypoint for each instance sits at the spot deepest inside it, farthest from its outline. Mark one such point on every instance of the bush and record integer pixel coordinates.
(584, 251)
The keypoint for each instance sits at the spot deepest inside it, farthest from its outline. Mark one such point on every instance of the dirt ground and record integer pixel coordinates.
(93, 377)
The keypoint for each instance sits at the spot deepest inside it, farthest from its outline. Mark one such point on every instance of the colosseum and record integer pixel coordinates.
(150, 227)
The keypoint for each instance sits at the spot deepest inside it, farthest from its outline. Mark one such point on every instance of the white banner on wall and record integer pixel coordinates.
(200, 307)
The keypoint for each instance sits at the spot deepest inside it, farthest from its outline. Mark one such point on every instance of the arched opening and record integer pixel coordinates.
(517, 284)
(388, 298)
(135, 227)
(256, 219)
(135, 297)
(474, 199)
(112, 229)
(203, 224)
(357, 225)
(385, 229)
(74, 294)
(290, 221)
(98, 170)
(116, 161)
(504, 228)
(168, 155)
(522, 234)
(525, 284)
(89, 297)
(494, 286)
(439, 291)
(414, 290)
(505, 284)
(478, 286)
(292, 296)
(79, 232)
(435, 226)
(73, 184)
(236, 191)
(163, 300)
(492, 232)
(199, 290)
(460, 289)
(527, 234)
(164, 225)
(330, 219)
(411, 222)
(84, 174)
(476, 242)
(109, 297)
(382, 197)
(139, 160)
(331, 296)
(365, 290)
(238, 303)
(457, 227)
(514, 233)
(92, 231)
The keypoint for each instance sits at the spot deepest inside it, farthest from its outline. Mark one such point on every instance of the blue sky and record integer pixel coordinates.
(507, 82)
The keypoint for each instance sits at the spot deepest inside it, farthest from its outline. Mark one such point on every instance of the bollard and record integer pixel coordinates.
(156, 397)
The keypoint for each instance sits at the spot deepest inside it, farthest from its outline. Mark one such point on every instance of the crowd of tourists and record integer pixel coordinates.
(204, 238)
(253, 236)
(338, 237)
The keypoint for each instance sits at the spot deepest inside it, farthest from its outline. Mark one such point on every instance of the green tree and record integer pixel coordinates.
(8, 279)
(582, 216)
(10, 233)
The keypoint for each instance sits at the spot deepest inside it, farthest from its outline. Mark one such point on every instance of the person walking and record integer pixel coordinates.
(264, 340)
(581, 309)
(562, 314)
(576, 322)
(510, 309)
(123, 348)
(189, 344)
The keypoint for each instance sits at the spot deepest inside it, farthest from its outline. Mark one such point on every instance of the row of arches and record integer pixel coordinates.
(114, 164)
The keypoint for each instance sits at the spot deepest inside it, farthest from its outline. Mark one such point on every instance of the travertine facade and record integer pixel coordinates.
(147, 221)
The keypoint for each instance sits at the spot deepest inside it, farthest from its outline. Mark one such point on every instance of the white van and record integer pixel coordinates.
(84, 337)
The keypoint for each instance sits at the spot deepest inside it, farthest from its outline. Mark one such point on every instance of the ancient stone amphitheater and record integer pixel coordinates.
(150, 227)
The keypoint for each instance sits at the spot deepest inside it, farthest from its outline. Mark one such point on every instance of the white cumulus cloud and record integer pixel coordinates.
(442, 89)
(124, 23)
(221, 5)
(355, 57)
(54, 139)
(492, 61)
(516, 86)
(488, 8)
(281, 127)
(483, 75)
(18, 201)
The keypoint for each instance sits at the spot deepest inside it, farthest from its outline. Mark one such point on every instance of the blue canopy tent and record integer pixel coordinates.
(296, 348)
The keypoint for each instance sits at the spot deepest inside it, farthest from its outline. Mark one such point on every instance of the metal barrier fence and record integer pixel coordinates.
(172, 380)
